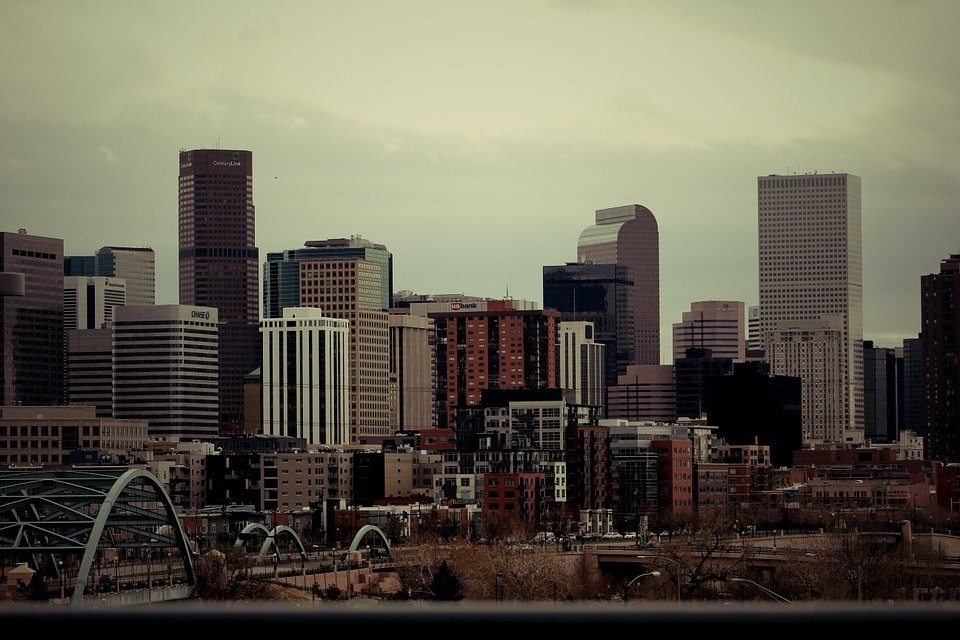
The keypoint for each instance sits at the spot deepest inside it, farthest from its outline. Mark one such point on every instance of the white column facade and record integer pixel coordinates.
(305, 376)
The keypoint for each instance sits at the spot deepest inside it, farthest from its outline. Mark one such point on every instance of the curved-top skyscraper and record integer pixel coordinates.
(628, 236)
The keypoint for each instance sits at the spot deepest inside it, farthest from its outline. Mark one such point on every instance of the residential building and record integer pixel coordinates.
(220, 263)
(940, 344)
(501, 348)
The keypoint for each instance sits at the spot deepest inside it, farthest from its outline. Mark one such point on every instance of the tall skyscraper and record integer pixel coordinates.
(136, 265)
(32, 342)
(628, 235)
(716, 325)
(304, 377)
(220, 263)
(940, 344)
(350, 279)
(810, 268)
(165, 369)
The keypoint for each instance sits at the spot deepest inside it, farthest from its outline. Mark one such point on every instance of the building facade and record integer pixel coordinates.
(304, 377)
(349, 279)
(717, 325)
(412, 372)
(645, 392)
(31, 345)
(939, 344)
(628, 235)
(581, 360)
(165, 369)
(135, 265)
(220, 263)
(602, 294)
(88, 302)
(493, 349)
(90, 369)
(810, 269)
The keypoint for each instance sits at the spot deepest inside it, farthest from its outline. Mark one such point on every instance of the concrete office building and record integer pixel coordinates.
(717, 325)
(628, 235)
(412, 372)
(165, 369)
(31, 344)
(813, 350)
(304, 377)
(646, 393)
(939, 344)
(350, 279)
(90, 369)
(48, 436)
(135, 265)
(581, 364)
(220, 263)
(810, 269)
(89, 301)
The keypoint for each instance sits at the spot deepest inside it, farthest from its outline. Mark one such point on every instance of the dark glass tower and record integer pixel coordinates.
(604, 295)
(219, 262)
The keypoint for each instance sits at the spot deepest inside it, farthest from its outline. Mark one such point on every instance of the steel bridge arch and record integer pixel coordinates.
(270, 539)
(364, 530)
(49, 514)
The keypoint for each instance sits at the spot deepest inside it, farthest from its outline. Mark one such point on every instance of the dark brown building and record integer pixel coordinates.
(940, 348)
(32, 346)
(220, 263)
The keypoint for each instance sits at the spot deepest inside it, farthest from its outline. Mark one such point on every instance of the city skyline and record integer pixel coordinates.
(459, 134)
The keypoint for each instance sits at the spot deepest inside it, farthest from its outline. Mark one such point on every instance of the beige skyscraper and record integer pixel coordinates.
(810, 268)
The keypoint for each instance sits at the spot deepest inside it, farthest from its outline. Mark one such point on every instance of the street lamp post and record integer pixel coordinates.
(149, 572)
(626, 588)
(773, 594)
(668, 560)
(60, 571)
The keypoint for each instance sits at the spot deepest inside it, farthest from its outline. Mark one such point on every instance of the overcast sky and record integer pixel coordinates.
(477, 139)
